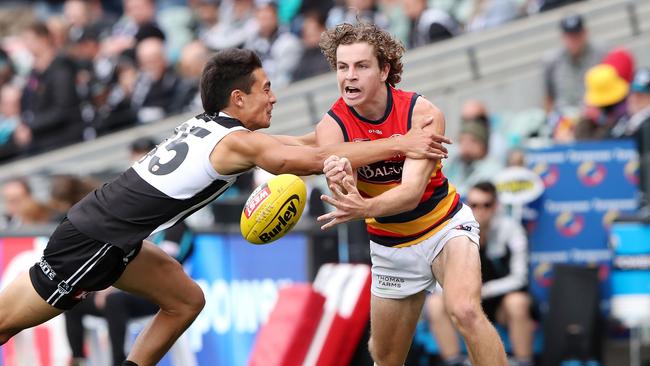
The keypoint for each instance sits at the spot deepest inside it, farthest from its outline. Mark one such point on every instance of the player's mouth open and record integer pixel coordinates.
(352, 92)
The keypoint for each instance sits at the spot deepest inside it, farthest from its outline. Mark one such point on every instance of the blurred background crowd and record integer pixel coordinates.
(76, 70)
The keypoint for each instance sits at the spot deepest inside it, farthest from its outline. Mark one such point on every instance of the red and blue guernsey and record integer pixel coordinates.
(438, 203)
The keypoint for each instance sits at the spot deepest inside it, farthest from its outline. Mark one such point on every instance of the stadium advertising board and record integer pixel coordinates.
(587, 185)
(241, 283)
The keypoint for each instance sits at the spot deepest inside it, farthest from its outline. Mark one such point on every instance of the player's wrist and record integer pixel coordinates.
(400, 146)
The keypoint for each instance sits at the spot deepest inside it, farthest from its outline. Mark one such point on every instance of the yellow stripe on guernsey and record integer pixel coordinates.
(420, 224)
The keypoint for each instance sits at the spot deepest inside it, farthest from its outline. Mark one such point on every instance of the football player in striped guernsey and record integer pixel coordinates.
(420, 232)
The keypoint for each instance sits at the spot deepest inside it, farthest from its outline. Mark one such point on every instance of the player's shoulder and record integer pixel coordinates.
(425, 106)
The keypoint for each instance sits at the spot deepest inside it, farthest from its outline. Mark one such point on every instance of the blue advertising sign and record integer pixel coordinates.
(240, 282)
(587, 185)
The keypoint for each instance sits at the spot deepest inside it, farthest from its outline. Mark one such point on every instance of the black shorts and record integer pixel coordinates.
(74, 265)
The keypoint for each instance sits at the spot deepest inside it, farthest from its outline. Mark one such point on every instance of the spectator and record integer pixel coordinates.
(565, 68)
(115, 112)
(20, 207)
(428, 25)
(605, 110)
(59, 30)
(622, 61)
(9, 120)
(491, 13)
(236, 24)
(638, 126)
(476, 110)
(193, 58)
(154, 94)
(503, 251)
(50, 106)
(206, 16)
(65, 191)
(84, 49)
(471, 164)
(137, 23)
(279, 50)
(312, 62)
(143, 94)
(516, 157)
(352, 10)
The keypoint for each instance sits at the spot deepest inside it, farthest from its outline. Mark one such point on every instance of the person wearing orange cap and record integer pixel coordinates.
(605, 109)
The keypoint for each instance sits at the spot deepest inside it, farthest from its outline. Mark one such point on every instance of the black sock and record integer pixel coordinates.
(129, 363)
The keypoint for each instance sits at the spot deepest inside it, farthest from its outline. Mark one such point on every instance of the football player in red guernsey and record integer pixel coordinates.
(420, 232)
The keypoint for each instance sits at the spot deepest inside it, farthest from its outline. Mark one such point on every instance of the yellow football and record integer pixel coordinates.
(273, 209)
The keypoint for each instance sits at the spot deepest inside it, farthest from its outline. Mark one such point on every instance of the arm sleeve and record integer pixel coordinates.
(517, 279)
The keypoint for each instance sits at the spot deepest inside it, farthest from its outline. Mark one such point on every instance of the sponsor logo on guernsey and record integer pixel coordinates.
(385, 171)
(256, 199)
(389, 281)
(47, 269)
(280, 222)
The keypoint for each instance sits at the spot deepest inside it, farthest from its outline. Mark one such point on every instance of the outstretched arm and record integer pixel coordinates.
(304, 140)
(246, 149)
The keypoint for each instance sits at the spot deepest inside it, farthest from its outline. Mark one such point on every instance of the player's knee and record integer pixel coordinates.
(464, 313)
(384, 356)
(195, 300)
(516, 304)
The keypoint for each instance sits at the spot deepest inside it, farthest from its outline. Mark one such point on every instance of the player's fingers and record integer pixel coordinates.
(441, 139)
(336, 190)
(438, 146)
(328, 225)
(434, 155)
(332, 201)
(348, 183)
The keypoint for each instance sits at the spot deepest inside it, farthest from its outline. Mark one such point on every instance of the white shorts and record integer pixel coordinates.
(401, 272)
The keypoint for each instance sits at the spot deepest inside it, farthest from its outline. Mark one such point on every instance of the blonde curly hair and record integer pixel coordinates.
(388, 50)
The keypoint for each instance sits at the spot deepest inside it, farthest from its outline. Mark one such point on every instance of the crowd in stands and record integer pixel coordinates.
(76, 69)
(92, 67)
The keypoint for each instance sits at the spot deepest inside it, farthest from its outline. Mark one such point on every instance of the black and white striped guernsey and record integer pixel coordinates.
(168, 184)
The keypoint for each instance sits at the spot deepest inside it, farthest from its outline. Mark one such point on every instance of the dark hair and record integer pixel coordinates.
(486, 187)
(228, 70)
(388, 49)
(39, 29)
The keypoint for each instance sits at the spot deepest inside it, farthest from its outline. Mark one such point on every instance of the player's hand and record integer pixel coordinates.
(349, 206)
(419, 143)
(335, 169)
